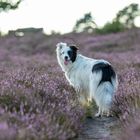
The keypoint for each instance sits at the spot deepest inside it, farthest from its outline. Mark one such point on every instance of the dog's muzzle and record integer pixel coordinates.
(66, 60)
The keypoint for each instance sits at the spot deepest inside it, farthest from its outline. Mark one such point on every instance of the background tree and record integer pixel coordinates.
(125, 19)
(127, 15)
(85, 24)
(6, 5)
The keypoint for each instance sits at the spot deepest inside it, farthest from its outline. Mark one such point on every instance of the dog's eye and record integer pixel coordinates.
(61, 53)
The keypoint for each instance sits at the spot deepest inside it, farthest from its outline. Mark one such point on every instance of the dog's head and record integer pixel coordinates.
(67, 53)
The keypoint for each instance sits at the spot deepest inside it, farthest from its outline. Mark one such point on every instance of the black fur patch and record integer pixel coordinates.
(73, 53)
(107, 72)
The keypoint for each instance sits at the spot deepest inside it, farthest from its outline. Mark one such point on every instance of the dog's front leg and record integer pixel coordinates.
(77, 88)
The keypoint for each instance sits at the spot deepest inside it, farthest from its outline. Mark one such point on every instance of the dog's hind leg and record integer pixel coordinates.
(99, 114)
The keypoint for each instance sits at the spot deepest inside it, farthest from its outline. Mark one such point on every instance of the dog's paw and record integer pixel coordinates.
(109, 114)
(98, 115)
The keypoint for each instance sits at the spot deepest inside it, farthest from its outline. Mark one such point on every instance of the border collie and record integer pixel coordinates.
(91, 78)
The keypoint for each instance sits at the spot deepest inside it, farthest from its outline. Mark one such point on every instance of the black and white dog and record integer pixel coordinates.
(92, 78)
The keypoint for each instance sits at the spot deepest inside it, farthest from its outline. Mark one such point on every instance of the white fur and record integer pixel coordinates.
(80, 76)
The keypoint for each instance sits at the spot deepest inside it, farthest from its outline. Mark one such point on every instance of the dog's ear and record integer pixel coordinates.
(60, 45)
(74, 47)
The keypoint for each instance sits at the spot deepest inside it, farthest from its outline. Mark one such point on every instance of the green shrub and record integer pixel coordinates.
(113, 27)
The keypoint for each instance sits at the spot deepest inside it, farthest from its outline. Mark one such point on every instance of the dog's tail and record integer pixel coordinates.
(104, 95)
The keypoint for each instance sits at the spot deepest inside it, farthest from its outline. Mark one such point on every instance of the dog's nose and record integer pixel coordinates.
(66, 57)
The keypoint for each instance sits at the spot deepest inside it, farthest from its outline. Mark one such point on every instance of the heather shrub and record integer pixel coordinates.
(38, 105)
(127, 103)
(36, 101)
(131, 129)
(127, 98)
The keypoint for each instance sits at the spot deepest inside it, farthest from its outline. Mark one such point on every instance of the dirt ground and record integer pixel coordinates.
(102, 128)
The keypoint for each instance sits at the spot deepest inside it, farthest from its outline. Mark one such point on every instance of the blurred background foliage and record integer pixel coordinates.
(86, 23)
(6, 5)
(124, 19)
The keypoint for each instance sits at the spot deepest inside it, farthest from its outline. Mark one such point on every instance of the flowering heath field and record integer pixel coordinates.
(36, 101)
